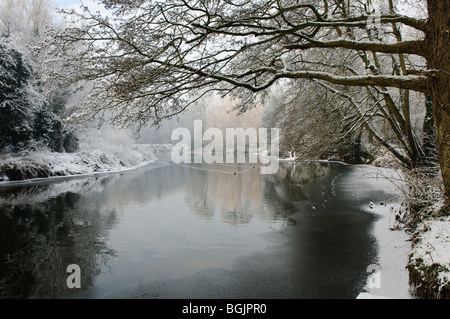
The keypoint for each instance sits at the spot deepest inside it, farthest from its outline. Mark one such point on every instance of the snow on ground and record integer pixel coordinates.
(431, 251)
(389, 279)
(394, 247)
(434, 245)
(43, 163)
(425, 253)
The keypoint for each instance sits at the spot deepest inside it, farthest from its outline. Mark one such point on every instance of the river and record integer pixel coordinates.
(198, 231)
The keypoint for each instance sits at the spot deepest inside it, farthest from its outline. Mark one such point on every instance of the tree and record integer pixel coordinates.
(31, 109)
(26, 19)
(316, 124)
(151, 55)
(15, 98)
(12, 16)
(27, 118)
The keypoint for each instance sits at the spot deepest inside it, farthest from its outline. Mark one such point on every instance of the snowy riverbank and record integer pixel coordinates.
(423, 252)
(31, 165)
(429, 260)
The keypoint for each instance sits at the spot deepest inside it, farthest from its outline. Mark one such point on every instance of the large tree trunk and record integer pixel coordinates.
(442, 118)
(437, 43)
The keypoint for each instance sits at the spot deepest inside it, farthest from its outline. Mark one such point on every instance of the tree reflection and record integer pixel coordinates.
(40, 237)
(239, 192)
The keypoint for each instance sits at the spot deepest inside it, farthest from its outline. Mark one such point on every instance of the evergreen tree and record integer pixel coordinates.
(27, 117)
(15, 119)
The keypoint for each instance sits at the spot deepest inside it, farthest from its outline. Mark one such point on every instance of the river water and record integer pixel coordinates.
(194, 231)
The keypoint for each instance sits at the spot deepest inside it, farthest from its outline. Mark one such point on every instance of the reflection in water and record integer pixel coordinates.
(150, 223)
(43, 230)
(239, 197)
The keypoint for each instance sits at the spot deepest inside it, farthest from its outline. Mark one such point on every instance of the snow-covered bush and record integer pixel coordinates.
(15, 105)
(27, 118)
(49, 129)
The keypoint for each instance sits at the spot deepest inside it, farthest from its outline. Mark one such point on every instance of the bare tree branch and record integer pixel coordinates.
(406, 47)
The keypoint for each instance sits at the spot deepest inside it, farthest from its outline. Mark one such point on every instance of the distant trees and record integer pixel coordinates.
(313, 125)
(25, 19)
(30, 116)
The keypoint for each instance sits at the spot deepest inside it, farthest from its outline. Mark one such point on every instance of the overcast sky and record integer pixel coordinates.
(65, 4)
(93, 5)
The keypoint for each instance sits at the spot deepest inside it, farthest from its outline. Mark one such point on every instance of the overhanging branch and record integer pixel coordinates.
(406, 47)
(415, 83)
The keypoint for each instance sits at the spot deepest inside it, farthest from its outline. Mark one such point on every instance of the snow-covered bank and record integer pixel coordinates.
(42, 164)
(394, 247)
(429, 260)
(423, 226)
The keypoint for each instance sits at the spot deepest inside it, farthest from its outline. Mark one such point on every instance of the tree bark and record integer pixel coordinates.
(437, 45)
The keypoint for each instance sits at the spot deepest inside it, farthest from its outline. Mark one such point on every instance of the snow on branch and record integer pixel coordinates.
(406, 47)
(147, 59)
